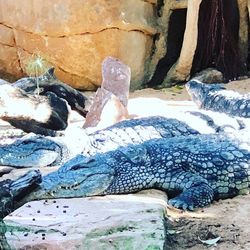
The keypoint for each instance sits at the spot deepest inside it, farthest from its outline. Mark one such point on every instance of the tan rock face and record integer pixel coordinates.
(6, 36)
(71, 17)
(82, 55)
(75, 36)
(9, 61)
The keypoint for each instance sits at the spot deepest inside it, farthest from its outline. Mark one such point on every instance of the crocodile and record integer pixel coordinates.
(194, 170)
(11, 191)
(34, 150)
(38, 151)
(215, 97)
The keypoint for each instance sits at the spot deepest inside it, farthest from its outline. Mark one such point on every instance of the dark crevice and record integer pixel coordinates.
(177, 24)
(18, 56)
(159, 5)
(7, 45)
(155, 38)
(248, 56)
(218, 38)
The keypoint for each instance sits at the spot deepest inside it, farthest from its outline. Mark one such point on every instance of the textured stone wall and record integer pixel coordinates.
(76, 35)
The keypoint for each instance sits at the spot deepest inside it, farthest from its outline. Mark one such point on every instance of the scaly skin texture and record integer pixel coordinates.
(196, 168)
(12, 191)
(215, 97)
(135, 131)
(42, 151)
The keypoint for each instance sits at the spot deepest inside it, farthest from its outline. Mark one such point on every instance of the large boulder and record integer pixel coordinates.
(9, 61)
(76, 35)
(110, 222)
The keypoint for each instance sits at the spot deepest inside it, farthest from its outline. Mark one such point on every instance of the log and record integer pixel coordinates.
(33, 113)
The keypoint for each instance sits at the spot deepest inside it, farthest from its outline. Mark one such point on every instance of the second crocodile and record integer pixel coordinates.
(215, 97)
(37, 151)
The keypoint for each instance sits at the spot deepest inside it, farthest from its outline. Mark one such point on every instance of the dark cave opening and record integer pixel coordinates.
(248, 55)
(177, 24)
(218, 36)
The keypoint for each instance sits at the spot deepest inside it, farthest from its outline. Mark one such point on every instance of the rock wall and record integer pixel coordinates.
(76, 35)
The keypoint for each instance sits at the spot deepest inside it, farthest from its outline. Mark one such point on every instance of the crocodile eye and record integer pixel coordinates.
(89, 160)
(84, 164)
(76, 167)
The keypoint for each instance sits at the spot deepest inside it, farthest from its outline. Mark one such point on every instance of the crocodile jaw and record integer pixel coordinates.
(199, 91)
(196, 91)
(31, 151)
(37, 158)
(77, 178)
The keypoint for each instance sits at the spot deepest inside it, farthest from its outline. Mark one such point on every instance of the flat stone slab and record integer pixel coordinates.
(134, 221)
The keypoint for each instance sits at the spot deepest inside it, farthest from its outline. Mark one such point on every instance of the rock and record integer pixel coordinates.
(82, 55)
(39, 114)
(110, 102)
(49, 83)
(5, 170)
(9, 61)
(55, 19)
(3, 82)
(75, 37)
(116, 78)
(110, 222)
(12, 191)
(6, 36)
(105, 111)
(209, 75)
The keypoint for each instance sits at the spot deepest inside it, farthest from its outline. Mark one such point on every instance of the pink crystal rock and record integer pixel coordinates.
(116, 78)
(110, 102)
(105, 111)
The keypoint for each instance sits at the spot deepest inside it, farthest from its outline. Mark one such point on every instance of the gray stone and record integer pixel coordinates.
(209, 75)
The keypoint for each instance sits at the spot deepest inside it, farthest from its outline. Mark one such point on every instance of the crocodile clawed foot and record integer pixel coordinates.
(181, 203)
(199, 195)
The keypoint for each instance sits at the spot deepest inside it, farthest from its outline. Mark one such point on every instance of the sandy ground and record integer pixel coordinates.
(227, 219)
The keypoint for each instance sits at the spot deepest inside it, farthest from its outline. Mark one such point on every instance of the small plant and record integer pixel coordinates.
(36, 66)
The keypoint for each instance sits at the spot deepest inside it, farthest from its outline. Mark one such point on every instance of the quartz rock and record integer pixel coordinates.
(116, 78)
(105, 111)
(110, 102)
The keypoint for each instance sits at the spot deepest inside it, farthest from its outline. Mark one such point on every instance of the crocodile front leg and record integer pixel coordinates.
(195, 191)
